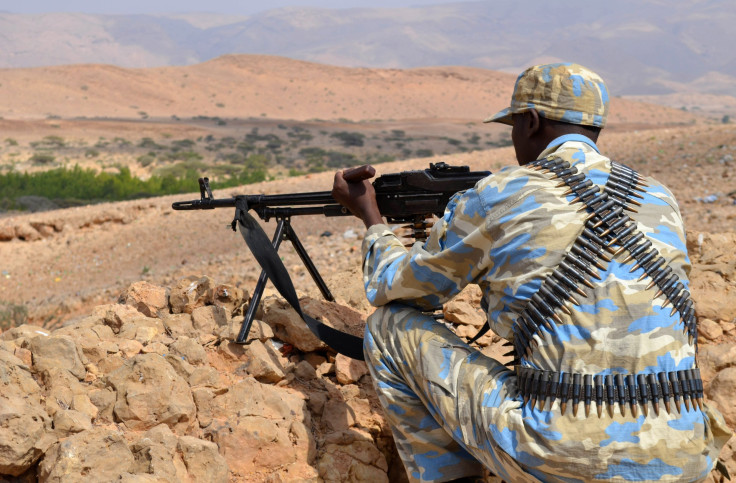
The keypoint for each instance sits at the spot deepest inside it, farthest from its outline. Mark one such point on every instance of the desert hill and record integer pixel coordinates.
(255, 86)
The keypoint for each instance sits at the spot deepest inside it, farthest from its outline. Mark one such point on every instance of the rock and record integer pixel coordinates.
(61, 387)
(228, 297)
(288, 326)
(709, 329)
(355, 461)
(464, 313)
(202, 459)
(262, 363)
(349, 370)
(92, 346)
(24, 231)
(142, 329)
(7, 232)
(721, 391)
(714, 294)
(205, 376)
(179, 324)
(305, 371)
(155, 454)
(130, 348)
(25, 428)
(50, 352)
(208, 319)
(69, 421)
(83, 404)
(104, 400)
(150, 300)
(191, 293)
(241, 411)
(117, 315)
(98, 454)
(23, 332)
(189, 349)
(252, 425)
(150, 392)
(258, 330)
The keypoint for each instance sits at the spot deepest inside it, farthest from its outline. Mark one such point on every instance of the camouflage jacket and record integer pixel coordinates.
(508, 234)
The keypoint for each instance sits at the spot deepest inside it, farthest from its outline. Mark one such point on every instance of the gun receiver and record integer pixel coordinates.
(405, 197)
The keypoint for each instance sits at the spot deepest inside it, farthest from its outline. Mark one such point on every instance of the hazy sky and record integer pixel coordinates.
(243, 7)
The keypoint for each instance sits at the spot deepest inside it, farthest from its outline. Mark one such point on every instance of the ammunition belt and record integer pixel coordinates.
(612, 390)
(608, 231)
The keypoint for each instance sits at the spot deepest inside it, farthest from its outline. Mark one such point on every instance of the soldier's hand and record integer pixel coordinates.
(353, 190)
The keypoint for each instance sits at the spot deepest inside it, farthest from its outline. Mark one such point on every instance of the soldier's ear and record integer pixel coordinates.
(534, 123)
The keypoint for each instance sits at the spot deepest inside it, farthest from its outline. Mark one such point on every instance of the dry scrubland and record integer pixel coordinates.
(125, 365)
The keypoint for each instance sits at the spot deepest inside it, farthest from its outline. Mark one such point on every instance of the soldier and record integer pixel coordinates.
(583, 265)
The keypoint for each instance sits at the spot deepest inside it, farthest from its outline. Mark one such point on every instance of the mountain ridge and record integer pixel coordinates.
(641, 48)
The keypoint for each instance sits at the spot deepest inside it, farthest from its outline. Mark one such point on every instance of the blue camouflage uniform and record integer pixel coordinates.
(455, 412)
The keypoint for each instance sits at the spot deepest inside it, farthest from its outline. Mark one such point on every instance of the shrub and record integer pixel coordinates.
(12, 315)
(146, 159)
(424, 153)
(42, 158)
(349, 138)
(148, 143)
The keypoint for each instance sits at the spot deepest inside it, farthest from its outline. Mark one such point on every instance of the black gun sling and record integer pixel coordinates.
(270, 262)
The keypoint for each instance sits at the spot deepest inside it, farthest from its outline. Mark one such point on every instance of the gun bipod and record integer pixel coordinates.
(284, 231)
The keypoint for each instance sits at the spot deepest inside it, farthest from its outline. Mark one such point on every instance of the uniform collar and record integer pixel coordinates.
(557, 142)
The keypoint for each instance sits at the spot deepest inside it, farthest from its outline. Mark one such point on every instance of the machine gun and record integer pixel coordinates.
(409, 197)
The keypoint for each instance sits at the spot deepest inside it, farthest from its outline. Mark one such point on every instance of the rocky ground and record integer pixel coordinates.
(153, 388)
(125, 367)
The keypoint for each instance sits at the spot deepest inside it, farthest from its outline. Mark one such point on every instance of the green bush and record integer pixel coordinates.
(349, 139)
(148, 143)
(42, 158)
(146, 159)
(424, 153)
(12, 315)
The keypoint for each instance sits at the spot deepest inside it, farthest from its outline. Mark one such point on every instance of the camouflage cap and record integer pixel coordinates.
(563, 92)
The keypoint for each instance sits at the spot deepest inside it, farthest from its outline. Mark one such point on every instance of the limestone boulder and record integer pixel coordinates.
(260, 428)
(352, 456)
(54, 352)
(210, 319)
(202, 459)
(150, 392)
(190, 293)
(349, 370)
(25, 427)
(189, 350)
(229, 297)
(721, 391)
(149, 299)
(289, 326)
(94, 455)
(262, 362)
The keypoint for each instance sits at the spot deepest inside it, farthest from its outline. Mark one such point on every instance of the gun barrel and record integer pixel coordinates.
(259, 201)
